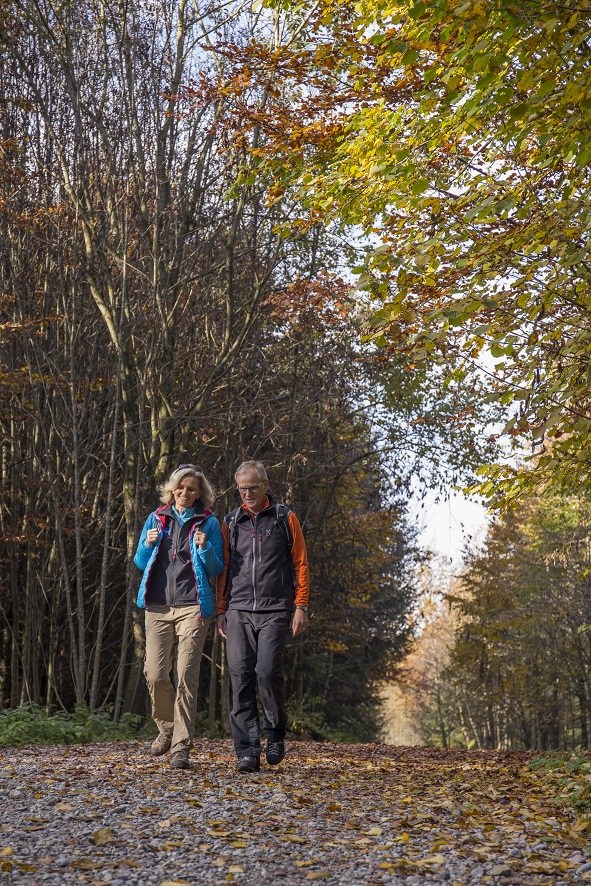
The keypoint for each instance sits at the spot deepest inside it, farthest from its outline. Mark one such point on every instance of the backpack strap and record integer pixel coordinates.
(199, 521)
(282, 512)
(163, 518)
(231, 521)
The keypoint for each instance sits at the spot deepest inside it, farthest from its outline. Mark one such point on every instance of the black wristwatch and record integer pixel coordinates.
(304, 608)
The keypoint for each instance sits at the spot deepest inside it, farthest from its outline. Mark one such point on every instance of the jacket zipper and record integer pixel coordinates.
(170, 574)
(254, 561)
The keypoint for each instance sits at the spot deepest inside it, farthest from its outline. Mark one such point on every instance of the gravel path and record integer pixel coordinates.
(367, 814)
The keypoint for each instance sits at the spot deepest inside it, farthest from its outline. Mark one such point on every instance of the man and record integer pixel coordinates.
(263, 589)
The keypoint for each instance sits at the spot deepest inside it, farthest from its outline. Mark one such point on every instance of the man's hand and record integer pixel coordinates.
(299, 622)
(220, 624)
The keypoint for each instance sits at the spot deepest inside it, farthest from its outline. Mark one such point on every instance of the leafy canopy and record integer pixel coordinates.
(458, 133)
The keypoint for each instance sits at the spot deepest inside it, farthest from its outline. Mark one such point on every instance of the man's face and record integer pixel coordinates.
(252, 490)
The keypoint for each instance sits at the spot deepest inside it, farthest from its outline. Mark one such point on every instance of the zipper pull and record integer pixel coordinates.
(174, 554)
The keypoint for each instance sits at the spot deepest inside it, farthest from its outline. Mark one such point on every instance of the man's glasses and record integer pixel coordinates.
(252, 489)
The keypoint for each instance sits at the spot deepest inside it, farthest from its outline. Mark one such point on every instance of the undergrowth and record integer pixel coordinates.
(31, 724)
(570, 775)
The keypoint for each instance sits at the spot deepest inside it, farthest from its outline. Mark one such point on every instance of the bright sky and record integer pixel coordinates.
(446, 526)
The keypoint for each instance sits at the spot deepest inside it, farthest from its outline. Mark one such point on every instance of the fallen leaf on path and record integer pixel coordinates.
(102, 836)
(82, 864)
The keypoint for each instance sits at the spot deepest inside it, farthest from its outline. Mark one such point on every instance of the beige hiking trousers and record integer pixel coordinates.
(174, 713)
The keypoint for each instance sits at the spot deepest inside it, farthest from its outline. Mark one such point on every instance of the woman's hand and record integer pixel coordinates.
(151, 537)
(200, 539)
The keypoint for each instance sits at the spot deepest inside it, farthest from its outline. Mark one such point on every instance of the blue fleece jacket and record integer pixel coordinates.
(207, 563)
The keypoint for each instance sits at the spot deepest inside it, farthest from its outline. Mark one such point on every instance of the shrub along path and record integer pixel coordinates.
(345, 813)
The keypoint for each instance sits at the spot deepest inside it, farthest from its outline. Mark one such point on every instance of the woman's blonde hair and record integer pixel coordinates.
(167, 489)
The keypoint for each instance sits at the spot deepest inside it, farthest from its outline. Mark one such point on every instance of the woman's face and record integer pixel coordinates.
(187, 493)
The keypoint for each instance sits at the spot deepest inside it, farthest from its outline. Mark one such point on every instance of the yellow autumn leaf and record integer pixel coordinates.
(83, 864)
(374, 832)
(435, 859)
(7, 851)
(102, 836)
(236, 869)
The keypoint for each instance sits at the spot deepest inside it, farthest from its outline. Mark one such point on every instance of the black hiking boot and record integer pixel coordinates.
(249, 764)
(275, 752)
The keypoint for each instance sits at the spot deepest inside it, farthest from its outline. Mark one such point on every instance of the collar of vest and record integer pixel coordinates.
(269, 505)
(201, 513)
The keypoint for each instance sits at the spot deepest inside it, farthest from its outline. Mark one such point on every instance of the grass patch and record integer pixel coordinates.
(30, 724)
(569, 773)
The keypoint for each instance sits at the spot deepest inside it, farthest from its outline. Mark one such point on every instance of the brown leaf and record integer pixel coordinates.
(82, 864)
(102, 836)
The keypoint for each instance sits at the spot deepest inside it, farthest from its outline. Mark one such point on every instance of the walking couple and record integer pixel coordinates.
(260, 561)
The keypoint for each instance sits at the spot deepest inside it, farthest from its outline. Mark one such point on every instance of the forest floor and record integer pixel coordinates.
(111, 813)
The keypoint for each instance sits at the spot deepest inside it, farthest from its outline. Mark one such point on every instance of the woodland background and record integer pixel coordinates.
(350, 240)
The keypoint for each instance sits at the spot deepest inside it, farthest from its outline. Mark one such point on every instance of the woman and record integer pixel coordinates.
(179, 550)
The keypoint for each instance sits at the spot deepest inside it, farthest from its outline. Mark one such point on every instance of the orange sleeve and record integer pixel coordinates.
(222, 590)
(299, 556)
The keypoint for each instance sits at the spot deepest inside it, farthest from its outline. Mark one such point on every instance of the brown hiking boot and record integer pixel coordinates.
(180, 759)
(161, 745)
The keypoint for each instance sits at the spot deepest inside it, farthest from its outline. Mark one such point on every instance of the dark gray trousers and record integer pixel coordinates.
(254, 646)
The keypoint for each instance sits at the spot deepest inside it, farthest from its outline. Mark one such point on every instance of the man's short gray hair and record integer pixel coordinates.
(257, 466)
